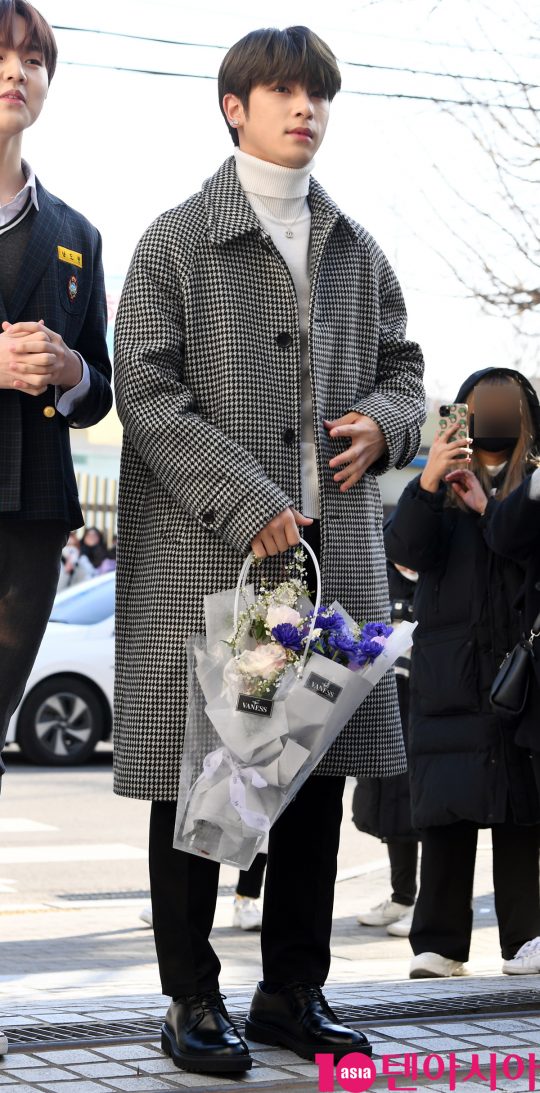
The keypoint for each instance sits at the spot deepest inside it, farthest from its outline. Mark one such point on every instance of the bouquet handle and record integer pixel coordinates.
(242, 578)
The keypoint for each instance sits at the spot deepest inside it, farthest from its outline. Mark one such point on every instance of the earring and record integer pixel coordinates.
(232, 122)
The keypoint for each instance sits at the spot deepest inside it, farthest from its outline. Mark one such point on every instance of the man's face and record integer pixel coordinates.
(285, 122)
(23, 83)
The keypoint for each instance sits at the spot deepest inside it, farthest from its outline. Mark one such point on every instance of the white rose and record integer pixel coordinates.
(263, 662)
(275, 616)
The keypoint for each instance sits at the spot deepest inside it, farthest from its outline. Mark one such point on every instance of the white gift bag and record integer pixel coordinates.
(245, 757)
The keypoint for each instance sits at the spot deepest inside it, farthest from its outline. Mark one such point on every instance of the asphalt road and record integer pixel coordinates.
(74, 878)
(64, 834)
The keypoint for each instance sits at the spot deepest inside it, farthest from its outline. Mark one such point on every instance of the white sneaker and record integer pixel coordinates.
(3, 1044)
(146, 915)
(526, 961)
(402, 927)
(433, 966)
(247, 914)
(384, 913)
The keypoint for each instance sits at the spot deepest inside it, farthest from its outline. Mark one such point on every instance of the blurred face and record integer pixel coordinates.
(495, 420)
(23, 83)
(285, 122)
(92, 537)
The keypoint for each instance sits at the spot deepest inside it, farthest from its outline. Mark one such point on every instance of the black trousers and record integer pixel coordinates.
(443, 916)
(30, 554)
(250, 880)
(298, 895)
(403, 854)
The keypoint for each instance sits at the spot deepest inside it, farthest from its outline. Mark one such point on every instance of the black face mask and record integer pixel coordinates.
(492, 443)
(495, 443)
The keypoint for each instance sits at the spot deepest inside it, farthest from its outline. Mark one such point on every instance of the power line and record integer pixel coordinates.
(140, 37)
(352, 64)
(345, 91)
(444, 75)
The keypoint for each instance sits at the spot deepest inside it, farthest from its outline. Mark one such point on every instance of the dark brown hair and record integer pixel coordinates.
(39, 35)
(268, 55)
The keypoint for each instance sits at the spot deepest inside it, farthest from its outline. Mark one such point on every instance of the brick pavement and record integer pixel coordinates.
(142, 1067)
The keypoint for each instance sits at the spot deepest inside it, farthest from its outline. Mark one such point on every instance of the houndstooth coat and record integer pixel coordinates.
(208, 388)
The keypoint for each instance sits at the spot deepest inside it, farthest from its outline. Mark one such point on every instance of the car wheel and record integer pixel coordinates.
(60, 722)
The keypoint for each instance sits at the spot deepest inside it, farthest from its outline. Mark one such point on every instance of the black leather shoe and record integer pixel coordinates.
(198, 1035)
(299, 1017)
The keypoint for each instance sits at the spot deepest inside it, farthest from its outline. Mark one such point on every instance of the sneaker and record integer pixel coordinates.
(526, 961)
(433, 966)
(402, 927)
(247, 914)
(146, 915)
(384, 913)
(3, 1044)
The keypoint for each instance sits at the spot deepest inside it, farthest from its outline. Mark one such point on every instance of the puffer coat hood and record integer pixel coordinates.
(526, 385)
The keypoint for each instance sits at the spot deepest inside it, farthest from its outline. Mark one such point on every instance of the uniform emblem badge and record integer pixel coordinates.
(73, 287)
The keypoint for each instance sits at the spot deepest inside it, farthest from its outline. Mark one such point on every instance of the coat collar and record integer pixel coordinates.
(44, 236)
(230, 214)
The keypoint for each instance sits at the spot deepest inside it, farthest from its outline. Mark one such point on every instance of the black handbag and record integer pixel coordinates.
(510, 688)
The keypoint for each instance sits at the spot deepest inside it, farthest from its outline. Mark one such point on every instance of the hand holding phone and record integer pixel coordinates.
(457, 413)
(449, 449)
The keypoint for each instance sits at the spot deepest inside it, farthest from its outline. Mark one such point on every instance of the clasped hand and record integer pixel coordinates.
(32, 357)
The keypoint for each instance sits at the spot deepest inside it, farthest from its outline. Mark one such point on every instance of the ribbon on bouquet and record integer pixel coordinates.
(238, 777)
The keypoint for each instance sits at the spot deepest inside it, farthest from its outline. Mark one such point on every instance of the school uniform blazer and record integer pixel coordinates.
(208, 387)
(37, 479)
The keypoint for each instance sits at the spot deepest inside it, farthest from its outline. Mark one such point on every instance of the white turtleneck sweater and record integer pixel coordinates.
(278, 196)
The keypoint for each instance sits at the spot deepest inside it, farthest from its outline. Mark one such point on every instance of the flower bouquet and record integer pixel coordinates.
(271, 686)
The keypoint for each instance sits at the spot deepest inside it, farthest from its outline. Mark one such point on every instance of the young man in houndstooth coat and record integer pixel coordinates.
(264, 381)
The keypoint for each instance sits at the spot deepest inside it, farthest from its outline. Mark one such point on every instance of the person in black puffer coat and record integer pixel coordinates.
(465, 768)
(514, 531)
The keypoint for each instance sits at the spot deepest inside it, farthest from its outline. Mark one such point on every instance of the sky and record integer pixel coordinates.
(123, 146)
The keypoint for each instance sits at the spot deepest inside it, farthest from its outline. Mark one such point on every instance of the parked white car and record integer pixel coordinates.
(66, 708)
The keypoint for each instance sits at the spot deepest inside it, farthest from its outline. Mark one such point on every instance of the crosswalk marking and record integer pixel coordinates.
(18, 824)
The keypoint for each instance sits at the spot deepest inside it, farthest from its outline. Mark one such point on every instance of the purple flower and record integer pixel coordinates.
(342, 641)
(370, 648)
(288, 636)
(376, 630)
(328, 621)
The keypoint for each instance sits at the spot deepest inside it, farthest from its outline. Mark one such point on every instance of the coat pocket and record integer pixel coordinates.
(444, 677)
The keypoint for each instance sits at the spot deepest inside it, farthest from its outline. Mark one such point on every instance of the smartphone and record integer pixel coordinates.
(448, 415)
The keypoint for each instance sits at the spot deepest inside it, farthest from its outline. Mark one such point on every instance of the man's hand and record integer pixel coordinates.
(280, 534)
(466, 485)
(32, 357)
(367, 446)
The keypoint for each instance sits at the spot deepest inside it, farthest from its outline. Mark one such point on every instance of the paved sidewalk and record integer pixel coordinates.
(142, 1067)
(66, 961)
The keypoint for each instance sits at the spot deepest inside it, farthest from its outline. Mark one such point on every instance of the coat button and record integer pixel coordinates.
(288, 437)
(208, 517)
(537, 586)
(49, 411)
(284, 340)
